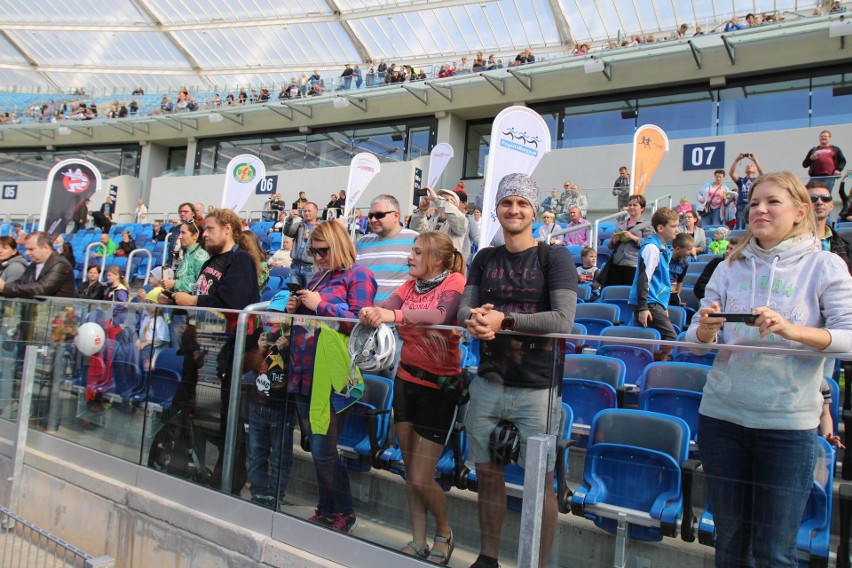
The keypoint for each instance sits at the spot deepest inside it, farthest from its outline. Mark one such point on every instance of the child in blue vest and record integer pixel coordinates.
(651, 288)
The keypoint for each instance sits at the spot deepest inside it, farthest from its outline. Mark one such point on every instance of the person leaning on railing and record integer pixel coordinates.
(759, 411)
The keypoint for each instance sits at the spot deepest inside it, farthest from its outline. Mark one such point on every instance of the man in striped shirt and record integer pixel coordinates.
(386, 248)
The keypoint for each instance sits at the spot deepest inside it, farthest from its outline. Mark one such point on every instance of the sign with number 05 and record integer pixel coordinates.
(10, 192)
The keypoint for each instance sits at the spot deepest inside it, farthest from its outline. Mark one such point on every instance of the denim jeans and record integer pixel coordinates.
(301, 273)
(742, 216)
(715, 217)
(270, 456)
(758, 482)
(827, 180)
(335, 494)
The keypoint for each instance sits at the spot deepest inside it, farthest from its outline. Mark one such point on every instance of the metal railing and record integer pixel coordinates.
(86, 253)
(128, 271)
(598, 223)
(581, 227)
(23, 544)
(655, 203)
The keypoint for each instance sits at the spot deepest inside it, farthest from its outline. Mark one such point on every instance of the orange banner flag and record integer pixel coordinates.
(650, 143)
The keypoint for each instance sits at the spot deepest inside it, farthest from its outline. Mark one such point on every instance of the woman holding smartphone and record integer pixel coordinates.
(625, 243)
(760, 411)
(340, 289)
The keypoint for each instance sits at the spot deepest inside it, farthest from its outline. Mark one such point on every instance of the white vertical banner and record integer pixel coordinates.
(363, 169)
(241, 177)
(519, 140)
(439, 157)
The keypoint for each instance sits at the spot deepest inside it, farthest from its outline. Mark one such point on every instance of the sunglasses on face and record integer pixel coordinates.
(319, 252)
(379, 215)
(824, 198)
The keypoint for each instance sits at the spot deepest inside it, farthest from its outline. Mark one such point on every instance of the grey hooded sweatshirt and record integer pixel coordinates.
(806, 285)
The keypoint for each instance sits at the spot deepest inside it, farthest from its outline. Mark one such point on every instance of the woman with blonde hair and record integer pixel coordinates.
(424, 412)
(760, 411)
(254, 248)
(340, 289)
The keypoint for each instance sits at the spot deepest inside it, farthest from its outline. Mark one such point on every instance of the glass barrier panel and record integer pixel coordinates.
(275, 404)
(22, 322)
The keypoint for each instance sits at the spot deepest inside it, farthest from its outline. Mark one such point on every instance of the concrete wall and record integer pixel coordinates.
(395, 178)
(593, 168)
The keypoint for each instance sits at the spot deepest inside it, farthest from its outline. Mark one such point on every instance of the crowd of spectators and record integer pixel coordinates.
(353, 76)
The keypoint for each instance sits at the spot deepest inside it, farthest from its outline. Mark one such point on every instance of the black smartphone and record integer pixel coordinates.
(293, 287)
(735, 318)
(167, 293)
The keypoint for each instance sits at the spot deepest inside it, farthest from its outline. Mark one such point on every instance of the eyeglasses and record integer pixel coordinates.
(379, 215)
(317, 252)
(191, 222)
(825, 198)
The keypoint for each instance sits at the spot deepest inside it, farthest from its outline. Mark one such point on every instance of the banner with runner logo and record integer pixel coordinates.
(439, 157)
(650, 144)
(241, 177)
(362, 170)
(69, 184)
(519, 140)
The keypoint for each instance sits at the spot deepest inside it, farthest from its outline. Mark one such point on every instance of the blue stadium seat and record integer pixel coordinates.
(633, 468)
(607, 312)
(365, 435)
(674, 375)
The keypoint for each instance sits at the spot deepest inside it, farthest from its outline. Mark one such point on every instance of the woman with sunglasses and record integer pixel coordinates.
(423, 413)
(194, 257)
(340, 288)
(759, 411)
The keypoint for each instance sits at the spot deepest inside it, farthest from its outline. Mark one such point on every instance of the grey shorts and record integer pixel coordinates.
(526, 408)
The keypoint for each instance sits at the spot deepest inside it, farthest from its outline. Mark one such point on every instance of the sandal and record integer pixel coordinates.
(420, 552)
(442, 558)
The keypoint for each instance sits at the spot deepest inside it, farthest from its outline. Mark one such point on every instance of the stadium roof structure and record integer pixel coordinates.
(54, 45)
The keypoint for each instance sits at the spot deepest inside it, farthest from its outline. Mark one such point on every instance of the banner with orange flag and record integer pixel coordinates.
(650, 143)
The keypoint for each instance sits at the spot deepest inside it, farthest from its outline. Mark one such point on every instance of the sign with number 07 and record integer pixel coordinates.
(706, 156)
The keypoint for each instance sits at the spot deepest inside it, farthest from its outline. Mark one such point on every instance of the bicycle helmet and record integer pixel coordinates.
(372, 348)
(504, 446)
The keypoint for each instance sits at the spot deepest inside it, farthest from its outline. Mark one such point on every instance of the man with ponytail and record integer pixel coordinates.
(228, 280)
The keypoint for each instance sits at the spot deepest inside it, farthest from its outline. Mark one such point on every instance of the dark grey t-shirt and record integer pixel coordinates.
(515, 284)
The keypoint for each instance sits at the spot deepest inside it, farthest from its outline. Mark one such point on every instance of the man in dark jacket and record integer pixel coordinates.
(823, 205)
(48, 275)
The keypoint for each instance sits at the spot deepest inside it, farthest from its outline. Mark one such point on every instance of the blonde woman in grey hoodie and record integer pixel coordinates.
(760, 410)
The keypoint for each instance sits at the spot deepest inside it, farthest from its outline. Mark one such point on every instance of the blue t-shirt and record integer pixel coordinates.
(743, 187)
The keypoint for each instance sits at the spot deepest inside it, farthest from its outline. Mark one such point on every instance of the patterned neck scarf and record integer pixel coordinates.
(423, 286)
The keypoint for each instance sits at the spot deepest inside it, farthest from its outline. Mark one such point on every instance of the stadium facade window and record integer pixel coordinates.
(176, 161)
(826, 109)
(34, 165)
(394, 142)
(756, 104)
(767, 106)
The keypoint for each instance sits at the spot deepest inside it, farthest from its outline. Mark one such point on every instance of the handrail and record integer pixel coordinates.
(234, 400)
(86, 261)
(606, 218)
(657, 200)
(129, 268)
(566, 230)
